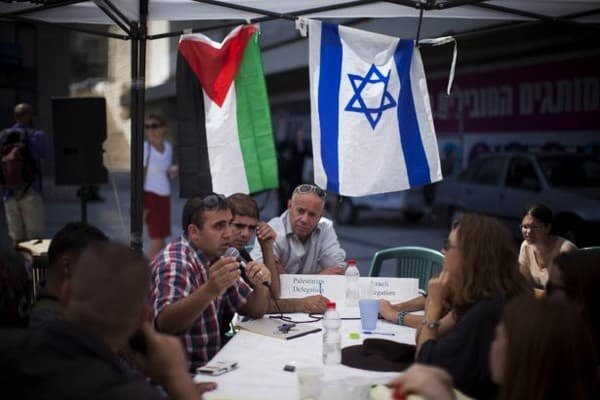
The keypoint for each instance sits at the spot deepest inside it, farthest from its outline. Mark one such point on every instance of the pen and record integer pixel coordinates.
(379, 333)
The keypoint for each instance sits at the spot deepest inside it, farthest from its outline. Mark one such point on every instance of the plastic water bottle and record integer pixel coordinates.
(332, 338)
(352, 290)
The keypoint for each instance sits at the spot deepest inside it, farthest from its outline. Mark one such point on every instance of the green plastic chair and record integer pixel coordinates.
(411, 262)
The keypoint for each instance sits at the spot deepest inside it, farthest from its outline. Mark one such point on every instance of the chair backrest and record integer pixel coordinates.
(591, 248)
(411, 262)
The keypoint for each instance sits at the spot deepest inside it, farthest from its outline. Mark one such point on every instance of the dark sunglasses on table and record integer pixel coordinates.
(306, 188)
(154, 125)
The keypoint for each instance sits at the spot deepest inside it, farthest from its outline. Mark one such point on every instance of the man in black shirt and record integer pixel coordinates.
(64, 250)
(77, 357)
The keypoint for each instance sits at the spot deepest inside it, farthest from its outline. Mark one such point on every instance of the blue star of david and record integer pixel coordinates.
(357, 103)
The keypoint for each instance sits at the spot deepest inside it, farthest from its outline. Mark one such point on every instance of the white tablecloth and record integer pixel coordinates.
(260, 374)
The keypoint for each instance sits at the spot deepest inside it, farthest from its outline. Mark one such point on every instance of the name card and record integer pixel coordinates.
(294, 286)
(392, 289)
(334, 287)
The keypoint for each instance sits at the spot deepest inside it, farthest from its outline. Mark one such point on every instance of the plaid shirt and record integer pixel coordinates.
(176, 273)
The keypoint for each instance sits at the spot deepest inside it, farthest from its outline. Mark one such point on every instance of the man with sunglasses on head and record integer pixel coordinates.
(306, 241)
(244, 226)
(194, 285)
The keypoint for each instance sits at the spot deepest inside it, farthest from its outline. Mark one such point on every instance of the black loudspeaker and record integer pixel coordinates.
(79, 127)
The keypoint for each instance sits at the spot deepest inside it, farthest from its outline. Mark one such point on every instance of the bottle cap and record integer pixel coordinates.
(352, 262)
(331, 304)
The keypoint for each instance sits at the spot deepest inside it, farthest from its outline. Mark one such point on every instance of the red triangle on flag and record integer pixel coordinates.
(216, 67)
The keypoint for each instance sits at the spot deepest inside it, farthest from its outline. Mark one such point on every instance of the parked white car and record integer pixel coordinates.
(503, 185)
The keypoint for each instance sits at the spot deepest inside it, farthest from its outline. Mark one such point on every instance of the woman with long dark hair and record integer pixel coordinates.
(575, 277)
(542, 350)
(480, 275)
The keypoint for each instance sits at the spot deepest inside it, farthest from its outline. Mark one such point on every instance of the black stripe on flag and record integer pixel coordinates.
(194, 167)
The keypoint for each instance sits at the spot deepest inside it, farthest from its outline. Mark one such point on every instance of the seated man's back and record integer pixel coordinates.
(61, 360)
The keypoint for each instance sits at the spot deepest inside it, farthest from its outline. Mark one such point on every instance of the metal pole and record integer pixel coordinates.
(138, 65)
(136, 193)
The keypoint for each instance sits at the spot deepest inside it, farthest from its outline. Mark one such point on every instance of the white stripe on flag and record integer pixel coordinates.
(364, 152)
(224, 151)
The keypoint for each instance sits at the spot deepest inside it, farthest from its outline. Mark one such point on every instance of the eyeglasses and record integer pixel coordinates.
(154, 125)
(529, 227)
(447, 246)
(307, 188)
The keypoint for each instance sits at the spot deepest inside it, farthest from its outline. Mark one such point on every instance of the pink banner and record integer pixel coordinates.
(552, 96)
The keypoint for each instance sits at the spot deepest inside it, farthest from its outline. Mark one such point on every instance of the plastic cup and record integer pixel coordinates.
(369, 309)
(309, 382)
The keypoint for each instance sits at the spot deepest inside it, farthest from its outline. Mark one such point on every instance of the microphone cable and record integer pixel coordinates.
(233, 252)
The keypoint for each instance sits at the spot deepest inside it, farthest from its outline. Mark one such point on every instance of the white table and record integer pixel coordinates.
(260, 374)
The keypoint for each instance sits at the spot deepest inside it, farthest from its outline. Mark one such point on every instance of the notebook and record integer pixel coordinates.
(276, 328)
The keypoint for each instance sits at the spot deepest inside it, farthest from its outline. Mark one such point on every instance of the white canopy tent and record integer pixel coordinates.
(132, 16)
(95, 12)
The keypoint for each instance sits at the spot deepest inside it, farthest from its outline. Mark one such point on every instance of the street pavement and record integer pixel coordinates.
(375, 229)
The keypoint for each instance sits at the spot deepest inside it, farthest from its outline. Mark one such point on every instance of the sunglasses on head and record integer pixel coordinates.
(307, 188)
(153, 125)
(213, 200)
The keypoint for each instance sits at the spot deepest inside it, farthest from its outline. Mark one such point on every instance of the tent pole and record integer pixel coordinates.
(138, 65)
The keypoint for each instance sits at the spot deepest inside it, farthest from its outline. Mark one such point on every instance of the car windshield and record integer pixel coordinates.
(571, 170)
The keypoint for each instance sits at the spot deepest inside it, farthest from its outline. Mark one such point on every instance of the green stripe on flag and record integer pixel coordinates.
(254, 121)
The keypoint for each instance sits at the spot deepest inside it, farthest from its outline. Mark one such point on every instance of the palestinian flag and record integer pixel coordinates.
(224, 123)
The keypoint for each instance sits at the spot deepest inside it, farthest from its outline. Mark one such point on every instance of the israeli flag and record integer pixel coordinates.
(372, 128)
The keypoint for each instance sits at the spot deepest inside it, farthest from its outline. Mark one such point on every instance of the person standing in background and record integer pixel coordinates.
(158, 170)
(24, 207)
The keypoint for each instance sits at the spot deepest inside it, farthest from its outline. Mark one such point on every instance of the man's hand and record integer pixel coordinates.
(258, 273)
(164, 361)
(314, 304)
(203, 387)
(332, 271)
(222, 274)
(265, 234)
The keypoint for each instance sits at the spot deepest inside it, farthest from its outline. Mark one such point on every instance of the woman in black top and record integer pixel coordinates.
(534, 356)
(481, 272)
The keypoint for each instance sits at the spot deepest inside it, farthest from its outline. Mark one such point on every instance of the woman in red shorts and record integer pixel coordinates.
(158, 170)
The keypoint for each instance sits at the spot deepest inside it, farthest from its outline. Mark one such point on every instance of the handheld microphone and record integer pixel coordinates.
(233, 252)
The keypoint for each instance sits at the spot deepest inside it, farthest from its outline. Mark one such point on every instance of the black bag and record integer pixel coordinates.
(18, 170)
